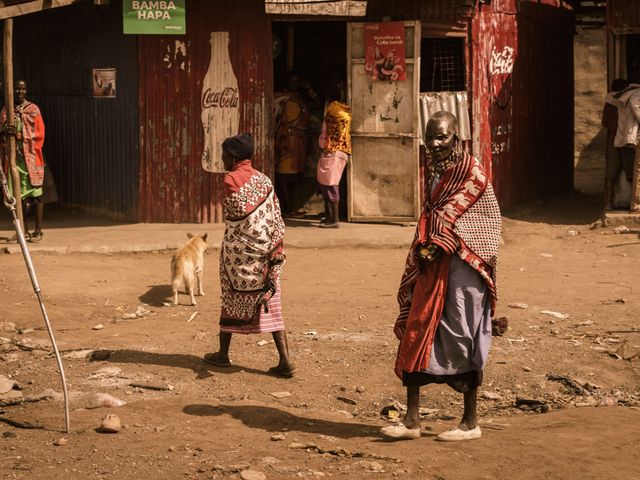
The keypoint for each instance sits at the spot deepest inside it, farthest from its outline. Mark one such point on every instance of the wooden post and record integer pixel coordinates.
(9, 106)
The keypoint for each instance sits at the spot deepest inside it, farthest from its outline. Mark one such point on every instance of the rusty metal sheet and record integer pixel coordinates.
(433, 10)
(173, 185)
(623, 16)
(523, 84)
(91, 144)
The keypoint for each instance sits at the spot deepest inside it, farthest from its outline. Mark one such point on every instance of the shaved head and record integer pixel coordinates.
(450, 118)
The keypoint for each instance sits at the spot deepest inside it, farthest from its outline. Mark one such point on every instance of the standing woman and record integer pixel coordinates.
(335, 142)
(29, 134)
(448, 290)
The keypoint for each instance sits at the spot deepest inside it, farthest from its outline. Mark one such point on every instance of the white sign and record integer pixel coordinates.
(501, 62)
(336, 8)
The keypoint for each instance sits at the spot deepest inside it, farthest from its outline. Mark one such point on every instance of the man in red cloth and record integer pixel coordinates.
(251, 256)
(448, 290)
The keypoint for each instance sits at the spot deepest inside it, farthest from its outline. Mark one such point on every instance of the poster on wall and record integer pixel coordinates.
(154, 17)
(104, 82)
(385, 54)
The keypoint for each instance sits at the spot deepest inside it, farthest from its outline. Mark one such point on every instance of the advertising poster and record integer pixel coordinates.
(104, 82)
(154, 17)
(385, 55)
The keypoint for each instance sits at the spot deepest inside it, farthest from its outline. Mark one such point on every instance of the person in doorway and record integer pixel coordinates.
(617, 159)
(252, 256)
(627, 104)
(291, 142)
(335, 142)
(448, 290)
(28, 131)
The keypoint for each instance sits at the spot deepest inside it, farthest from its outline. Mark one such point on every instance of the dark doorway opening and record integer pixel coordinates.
(316, 52)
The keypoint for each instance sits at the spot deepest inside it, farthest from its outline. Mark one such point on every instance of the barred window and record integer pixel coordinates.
(442, 65)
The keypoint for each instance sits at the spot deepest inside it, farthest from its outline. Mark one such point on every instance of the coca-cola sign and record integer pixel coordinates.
(225, 98)
(220, 103)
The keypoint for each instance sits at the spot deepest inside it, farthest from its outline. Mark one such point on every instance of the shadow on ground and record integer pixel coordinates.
(274, 420)
(174, 360)
(157, 295)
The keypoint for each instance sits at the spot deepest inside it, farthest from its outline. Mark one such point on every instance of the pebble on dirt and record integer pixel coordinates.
(278, 437)
(252, 475)
(61, 442)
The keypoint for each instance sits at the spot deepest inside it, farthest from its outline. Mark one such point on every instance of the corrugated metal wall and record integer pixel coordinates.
(91, 144)
(434, 10)
(623, 16)
(173, 185)
(523, 113)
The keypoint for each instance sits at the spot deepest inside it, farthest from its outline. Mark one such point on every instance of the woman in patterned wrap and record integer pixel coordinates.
(448, 290)
(251, 256)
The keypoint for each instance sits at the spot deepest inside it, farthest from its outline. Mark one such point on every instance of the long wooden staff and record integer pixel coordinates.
(13, 204)
(10, 110)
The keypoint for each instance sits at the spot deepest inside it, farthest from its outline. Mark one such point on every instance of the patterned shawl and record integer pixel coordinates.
(337, 120)
(254, 234)
(33, 139)
(461, 216)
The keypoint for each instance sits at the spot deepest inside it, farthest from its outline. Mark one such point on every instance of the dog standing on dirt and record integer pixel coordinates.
(187, 267)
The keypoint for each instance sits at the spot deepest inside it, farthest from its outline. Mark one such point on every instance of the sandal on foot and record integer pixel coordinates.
(457, 435)
(399, 431)
(212, 358)
(35, 237)
(285, 372)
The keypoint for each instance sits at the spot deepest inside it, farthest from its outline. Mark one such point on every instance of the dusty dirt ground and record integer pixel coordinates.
(215, 423)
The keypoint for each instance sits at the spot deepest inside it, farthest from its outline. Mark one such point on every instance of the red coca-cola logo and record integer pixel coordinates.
(225, 98)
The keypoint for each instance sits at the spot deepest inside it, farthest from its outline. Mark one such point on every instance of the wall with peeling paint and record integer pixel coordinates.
(173, 185)
(523, 97)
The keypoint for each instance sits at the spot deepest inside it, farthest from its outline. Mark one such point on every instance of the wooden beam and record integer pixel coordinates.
(32, 7)
(7, 47)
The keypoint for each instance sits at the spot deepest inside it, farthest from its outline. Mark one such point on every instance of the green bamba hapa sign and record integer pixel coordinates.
(154, 17)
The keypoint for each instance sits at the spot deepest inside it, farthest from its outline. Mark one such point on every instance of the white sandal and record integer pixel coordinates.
(457, 435)
(400, 432)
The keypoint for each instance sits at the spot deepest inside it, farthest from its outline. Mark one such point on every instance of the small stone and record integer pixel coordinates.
(6, 385)
(252, 475)
(172, 448)
(269, 460)
(347, 400)
(609, 402)
(526, 369)
(262, 343)
(573, 233)
(360, 389)
(7, 326)
(61, 442)
(546, 255)
(280, 395)
(490, 395)
(98, 327)
(110, 424)
(25, 331)
(621, 229)
(9, 434)
(278, 437)
(518, 306)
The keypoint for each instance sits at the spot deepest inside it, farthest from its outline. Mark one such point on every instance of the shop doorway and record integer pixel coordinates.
(315, 51)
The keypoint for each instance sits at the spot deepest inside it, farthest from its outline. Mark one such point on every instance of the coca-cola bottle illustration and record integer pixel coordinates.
(220, 103)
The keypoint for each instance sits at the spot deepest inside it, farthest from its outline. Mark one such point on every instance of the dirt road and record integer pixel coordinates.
(214, 423)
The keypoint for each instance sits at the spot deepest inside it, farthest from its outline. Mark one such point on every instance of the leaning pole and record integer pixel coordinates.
(14, 205)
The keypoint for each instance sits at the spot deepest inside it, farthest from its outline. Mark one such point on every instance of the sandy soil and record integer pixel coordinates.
(215, 423)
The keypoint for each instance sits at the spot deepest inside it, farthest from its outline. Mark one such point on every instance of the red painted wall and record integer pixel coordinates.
(173, 186)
